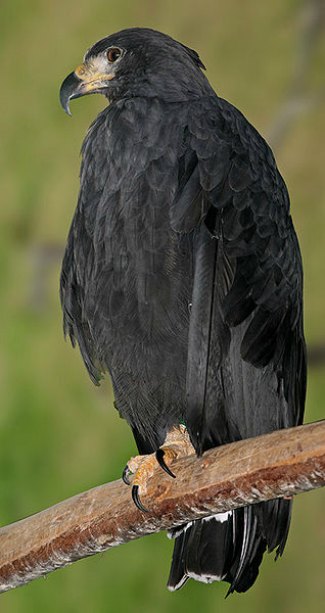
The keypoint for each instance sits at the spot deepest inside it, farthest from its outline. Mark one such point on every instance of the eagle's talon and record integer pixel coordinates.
(160, 459)
(142, 467)
(136, 499)
(125, 475)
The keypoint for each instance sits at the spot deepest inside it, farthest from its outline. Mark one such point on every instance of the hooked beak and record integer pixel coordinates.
(83, 81)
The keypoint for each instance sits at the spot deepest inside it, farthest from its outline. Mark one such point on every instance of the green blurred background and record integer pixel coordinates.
(59, 435)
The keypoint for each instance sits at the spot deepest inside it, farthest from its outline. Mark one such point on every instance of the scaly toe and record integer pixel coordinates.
(142, 467)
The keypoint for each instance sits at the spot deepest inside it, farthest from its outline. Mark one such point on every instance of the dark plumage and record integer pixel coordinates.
(182, 277)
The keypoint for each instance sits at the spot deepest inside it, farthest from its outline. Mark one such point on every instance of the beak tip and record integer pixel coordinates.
(65, 105)
(66, 108)
(69, 89)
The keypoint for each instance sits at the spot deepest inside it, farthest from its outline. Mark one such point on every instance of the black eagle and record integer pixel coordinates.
(182, 279)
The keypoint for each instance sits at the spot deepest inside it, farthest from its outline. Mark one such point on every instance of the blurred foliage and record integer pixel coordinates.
(58, 434)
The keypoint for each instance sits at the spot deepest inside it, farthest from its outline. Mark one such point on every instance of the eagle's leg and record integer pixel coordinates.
(177, 444)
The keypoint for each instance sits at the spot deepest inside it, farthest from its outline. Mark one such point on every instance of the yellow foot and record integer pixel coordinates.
(177, 444)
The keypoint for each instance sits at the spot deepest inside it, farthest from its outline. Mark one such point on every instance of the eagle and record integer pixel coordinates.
(182, 279)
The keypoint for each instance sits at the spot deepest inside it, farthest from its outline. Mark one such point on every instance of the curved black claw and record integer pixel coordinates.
(160, 459)
(136, 499)
(125, 475)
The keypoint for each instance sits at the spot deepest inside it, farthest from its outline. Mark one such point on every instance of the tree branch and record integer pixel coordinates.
(282, 463)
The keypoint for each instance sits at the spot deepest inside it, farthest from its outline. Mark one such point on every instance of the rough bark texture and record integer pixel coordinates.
(279, 464)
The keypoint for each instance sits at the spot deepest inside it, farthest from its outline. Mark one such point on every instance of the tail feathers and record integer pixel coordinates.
(229, 546)
(249, 549)
(178, 574)
(275, 518)
(201, 550)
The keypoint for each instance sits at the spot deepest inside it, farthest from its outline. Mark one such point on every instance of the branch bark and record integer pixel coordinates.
(282, 463)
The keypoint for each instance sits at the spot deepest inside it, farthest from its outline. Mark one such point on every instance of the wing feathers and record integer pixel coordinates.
(246, 353)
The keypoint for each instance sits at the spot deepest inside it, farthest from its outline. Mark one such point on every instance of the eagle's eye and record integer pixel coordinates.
(113, 54)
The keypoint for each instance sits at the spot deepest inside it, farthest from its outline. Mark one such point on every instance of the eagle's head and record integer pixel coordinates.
(137, 62)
